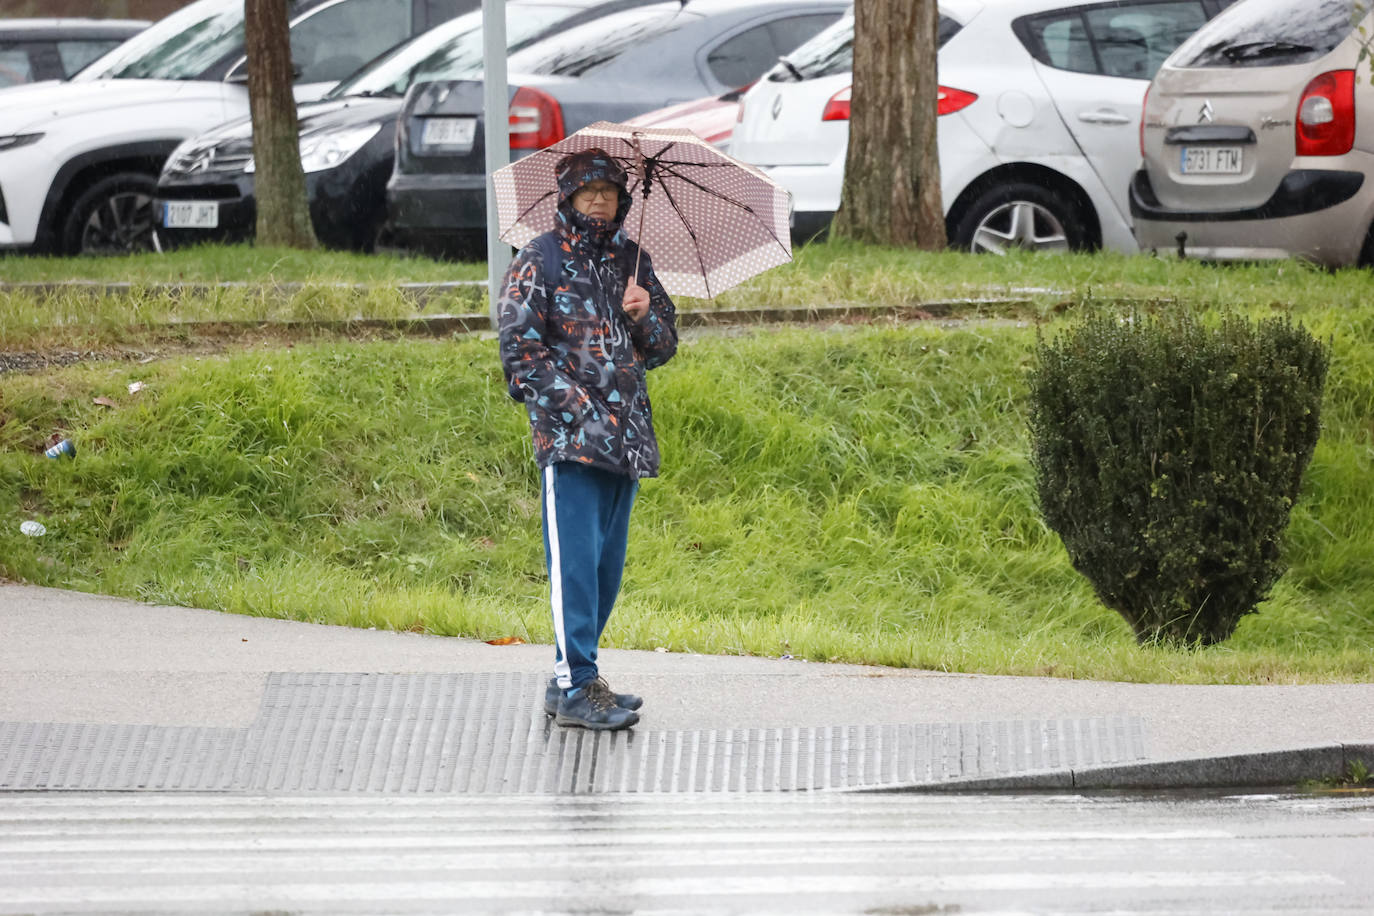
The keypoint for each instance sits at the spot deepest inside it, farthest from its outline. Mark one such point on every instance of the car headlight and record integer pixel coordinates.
(326, 150)
(14, 141)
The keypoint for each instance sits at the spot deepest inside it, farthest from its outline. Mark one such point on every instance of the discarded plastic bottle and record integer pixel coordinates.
(66, 447)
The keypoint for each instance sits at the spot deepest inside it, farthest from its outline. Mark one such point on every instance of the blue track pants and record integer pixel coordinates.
(586, 526)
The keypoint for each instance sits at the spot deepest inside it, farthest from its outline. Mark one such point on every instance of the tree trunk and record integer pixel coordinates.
(891, 190)
(279, 182)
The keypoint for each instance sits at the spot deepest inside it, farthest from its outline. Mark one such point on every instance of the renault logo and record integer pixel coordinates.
(777, 106)
(1204, 114)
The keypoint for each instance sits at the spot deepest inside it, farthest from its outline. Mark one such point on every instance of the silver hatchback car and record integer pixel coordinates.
(1258, 137)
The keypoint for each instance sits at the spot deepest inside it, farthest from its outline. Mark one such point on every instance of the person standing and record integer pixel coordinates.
(577, 335)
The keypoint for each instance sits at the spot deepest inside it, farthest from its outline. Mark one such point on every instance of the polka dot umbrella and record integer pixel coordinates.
(708, 221)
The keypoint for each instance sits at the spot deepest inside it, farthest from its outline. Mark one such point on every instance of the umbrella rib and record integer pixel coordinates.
(542, 198)
(729, 200)
(696, 245)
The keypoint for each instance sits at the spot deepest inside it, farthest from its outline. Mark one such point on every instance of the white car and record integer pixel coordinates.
(1039, 110)
(79, 160)
(1257, 138)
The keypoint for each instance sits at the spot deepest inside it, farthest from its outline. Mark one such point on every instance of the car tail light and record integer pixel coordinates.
(949, 101)
(837, 109)
(952, 100)
(1144, 104)
(536, 119)
(1326, 115)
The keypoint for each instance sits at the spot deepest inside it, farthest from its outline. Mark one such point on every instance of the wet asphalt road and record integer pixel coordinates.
(894, 855)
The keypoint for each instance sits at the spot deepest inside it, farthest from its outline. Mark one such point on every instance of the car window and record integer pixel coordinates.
(1124, 40)
(831, 50)
(1270, 33)
(181, 46)
(15, 66)
(77, 54)
(741, 58)
(450, 51)
(596, 44)
(334, 41)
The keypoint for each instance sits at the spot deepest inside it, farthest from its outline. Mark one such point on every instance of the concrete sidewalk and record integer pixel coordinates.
(77, 659)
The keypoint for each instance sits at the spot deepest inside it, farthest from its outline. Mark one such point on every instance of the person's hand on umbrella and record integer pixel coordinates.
(636, 301)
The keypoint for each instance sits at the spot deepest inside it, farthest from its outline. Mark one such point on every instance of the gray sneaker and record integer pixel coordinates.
(552, 694)
(594, 707)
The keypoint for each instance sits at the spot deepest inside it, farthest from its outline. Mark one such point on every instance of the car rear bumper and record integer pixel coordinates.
(814, 188)
(1315, 213)
(421, 204)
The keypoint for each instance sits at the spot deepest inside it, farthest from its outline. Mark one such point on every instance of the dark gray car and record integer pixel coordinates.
(612, 69)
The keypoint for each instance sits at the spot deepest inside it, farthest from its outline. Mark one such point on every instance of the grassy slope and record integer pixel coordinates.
(822, 274)
(859, 494)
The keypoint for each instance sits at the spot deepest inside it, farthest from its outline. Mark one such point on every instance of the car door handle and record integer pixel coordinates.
(1104, 116)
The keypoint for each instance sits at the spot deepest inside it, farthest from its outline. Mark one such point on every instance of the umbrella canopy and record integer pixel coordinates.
(708, 221)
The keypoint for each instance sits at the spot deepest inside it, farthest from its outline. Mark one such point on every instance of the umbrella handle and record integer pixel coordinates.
(643, 205)
(639, 236)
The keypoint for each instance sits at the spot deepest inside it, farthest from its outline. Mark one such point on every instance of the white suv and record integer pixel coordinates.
(1038, 110)
(79, 160)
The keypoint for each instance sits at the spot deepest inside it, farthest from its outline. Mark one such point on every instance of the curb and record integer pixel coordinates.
(445, 324)
(1261, 769)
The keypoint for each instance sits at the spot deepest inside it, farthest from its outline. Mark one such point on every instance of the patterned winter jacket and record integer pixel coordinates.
(573, 356)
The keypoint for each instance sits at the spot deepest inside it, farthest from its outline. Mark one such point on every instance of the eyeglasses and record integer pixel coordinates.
(602, 191)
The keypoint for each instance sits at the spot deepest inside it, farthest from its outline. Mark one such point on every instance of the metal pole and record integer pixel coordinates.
(496, 114)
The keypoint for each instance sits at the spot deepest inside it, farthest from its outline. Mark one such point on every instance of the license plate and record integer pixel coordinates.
(1211, 160)
(190, 214)
(449, 131)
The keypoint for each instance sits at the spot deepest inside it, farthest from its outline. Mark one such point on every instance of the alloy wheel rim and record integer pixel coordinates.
(1020, 224)
(122, 223)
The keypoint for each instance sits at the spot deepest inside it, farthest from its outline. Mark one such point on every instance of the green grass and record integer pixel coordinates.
(239, 264)
(821, 275)
(847, 493)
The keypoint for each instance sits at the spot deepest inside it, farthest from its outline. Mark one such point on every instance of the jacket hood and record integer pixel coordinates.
(577, 169)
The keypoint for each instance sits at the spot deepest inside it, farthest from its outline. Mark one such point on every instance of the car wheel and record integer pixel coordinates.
(113, 216)
(1020, 215)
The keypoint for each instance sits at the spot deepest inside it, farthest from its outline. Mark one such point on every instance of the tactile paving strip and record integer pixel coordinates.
(487, 734)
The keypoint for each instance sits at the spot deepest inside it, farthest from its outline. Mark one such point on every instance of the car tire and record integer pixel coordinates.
(1020, 215)
(112, 216)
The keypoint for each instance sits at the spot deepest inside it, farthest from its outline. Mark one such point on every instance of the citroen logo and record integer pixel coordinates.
(777, 106)
(1204, 114)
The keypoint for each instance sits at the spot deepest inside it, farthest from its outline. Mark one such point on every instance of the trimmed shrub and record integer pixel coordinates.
(1168, 456)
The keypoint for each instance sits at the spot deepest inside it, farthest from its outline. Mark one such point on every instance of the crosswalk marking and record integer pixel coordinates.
(750, 853)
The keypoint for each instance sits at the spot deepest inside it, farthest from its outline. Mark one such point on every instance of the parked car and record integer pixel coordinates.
(612, 69)
(1257, 138)
(79, 160)
(205, 192)
(33, 50)
(712, 118)
(1037, 108)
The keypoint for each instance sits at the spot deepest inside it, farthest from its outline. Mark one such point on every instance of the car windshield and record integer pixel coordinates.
(595, 44)
(1268, 33)
(180, 47)
(449, 51)
(831, 51)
